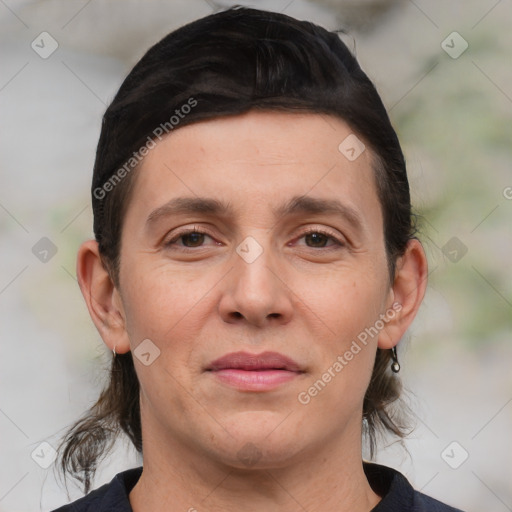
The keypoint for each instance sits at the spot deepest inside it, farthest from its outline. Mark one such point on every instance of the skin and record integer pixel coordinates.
(305, 297)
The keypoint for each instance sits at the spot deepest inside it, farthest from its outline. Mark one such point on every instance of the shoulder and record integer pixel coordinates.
(423, 503)
(88, 503)
(111, 497)
(397, 493)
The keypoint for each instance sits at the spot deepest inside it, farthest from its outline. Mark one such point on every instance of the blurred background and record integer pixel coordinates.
(443, 70)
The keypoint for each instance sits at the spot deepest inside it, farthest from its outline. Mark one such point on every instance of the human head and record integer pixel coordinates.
(228, 64)
(250, 60)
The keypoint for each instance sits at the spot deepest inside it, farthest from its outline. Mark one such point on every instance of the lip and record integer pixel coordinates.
(251, 362)
(255, 372)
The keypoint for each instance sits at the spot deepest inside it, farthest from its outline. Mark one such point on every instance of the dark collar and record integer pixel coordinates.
(396, 492)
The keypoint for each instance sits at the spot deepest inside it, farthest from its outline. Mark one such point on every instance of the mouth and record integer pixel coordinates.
(255, 372)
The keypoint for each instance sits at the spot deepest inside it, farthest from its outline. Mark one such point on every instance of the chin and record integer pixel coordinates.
(253, 456)
(259, 443)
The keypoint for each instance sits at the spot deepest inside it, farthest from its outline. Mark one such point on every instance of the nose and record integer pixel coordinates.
(256, 291)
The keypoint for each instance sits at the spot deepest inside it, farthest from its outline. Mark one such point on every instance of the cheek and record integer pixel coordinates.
(346, 301)
(349, 304)
(168, 309)
(159, 302)
(345, 357)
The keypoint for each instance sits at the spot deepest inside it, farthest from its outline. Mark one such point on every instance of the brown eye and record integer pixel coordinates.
(316, 239)
(319, 239)
(188, 239)
(192, 239)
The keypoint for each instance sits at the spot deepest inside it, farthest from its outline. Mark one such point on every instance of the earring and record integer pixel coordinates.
(114, 351)
(395, 365)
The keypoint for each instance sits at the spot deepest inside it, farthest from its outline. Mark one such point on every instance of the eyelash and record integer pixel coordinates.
(320, 231)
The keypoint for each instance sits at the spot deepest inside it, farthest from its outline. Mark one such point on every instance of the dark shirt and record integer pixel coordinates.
(396, 492)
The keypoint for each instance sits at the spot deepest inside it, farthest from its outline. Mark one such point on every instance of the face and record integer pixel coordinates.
(250, 235)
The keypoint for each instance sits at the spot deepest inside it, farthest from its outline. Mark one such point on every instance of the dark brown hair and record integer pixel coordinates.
(227, 64)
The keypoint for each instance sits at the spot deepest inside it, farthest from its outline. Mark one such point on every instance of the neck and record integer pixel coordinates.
(179, 478)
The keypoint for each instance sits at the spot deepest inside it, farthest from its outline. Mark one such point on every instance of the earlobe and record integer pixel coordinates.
(101, 297)
(408, 290)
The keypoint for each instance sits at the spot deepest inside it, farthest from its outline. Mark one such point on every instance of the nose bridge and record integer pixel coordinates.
(254, 273)
(256, 292)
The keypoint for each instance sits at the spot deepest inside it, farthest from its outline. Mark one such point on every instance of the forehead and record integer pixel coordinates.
(260, 158)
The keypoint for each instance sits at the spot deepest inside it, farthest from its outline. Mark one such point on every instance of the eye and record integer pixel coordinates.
(196, 237)
(190, 238)
(319, 238)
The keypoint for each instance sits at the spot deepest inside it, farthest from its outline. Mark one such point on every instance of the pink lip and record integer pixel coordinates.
(255, 372)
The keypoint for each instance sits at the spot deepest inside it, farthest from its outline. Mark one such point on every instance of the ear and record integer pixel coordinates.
(406, 294)
(102, 297)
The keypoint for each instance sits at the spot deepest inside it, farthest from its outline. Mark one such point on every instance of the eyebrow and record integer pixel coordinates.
(317, 206)
(296, 205)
